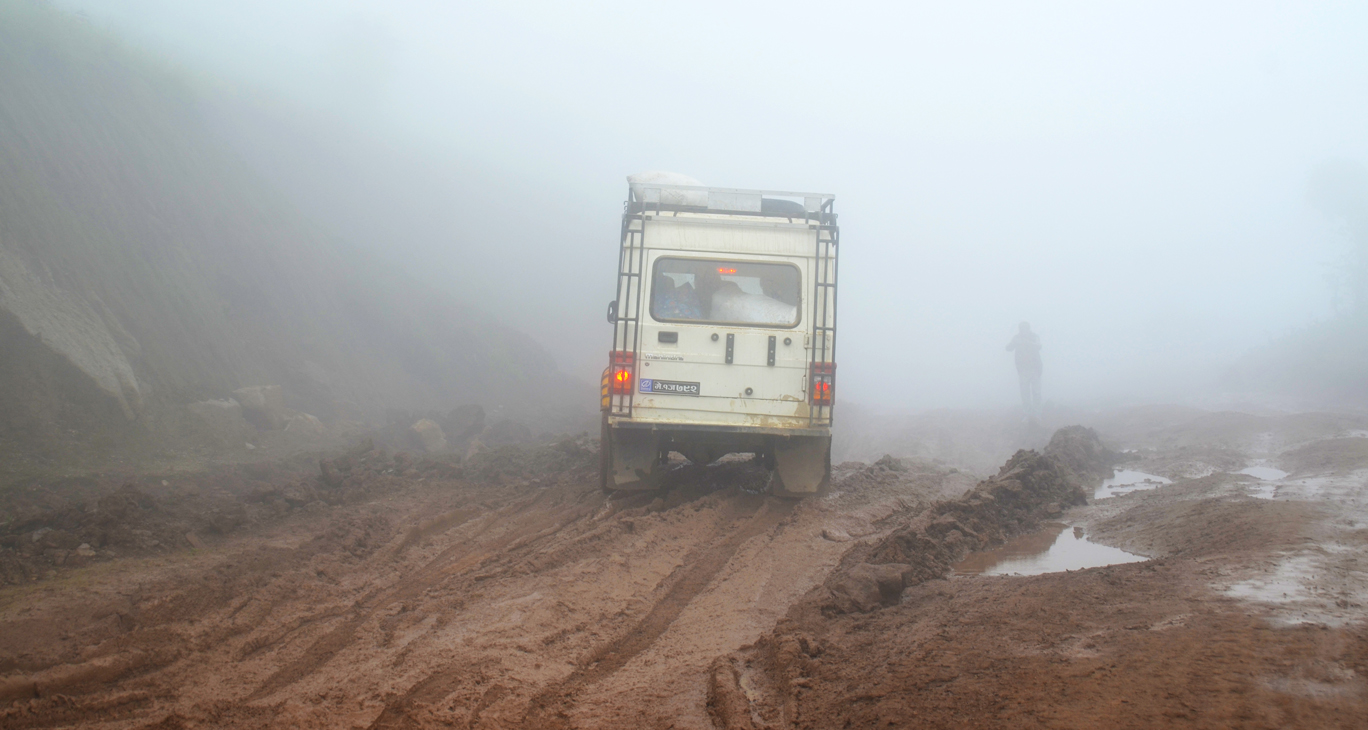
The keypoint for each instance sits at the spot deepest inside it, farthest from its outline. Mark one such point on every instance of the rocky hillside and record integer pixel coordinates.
(144, 267)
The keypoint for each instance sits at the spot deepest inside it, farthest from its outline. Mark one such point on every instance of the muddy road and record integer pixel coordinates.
(385, 591)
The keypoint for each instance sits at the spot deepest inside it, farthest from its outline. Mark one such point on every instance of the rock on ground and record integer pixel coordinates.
(263, 406)
(430, 434)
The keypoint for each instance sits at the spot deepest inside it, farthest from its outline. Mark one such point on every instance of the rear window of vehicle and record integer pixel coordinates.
(725, 292)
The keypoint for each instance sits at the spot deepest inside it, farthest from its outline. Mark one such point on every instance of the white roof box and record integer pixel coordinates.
(656, 178)
(673, 190)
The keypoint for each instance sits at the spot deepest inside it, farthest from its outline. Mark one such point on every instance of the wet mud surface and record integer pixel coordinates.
(384, 591)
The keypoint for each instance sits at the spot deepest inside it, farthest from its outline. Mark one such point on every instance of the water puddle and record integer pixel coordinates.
(1264, 474)
(1052, 550)
(1126, 481)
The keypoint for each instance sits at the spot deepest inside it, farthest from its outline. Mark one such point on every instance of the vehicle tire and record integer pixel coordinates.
(766, 459)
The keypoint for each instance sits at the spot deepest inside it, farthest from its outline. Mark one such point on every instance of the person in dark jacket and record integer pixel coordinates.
(1026, 347)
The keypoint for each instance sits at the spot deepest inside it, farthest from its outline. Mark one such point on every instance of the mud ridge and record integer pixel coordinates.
(1030, 488)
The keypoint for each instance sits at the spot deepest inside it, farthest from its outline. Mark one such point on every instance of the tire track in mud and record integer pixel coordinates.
(757, 514)
(463, 556)
(432, 688)
(399, 715)
(64, 710)
(549, 708)
(147, 641)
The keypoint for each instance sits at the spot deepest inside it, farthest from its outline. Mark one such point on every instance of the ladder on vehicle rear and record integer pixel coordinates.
(823, 352)
(626, 312)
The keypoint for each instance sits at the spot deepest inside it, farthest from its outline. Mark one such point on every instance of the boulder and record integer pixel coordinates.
(835, 534)
(430, 434)
(263, 406)
(222, 415)
(890, 463)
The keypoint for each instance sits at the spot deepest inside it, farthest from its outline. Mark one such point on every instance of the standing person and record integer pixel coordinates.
(1026, 346)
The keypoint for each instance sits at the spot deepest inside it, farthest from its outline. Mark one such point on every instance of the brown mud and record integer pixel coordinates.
(1163, 643)
(380, 590)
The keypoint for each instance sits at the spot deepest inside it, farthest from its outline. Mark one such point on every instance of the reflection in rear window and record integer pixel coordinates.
(725, 292)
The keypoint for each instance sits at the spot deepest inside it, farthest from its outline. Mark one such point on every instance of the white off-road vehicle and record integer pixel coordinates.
(724, 334)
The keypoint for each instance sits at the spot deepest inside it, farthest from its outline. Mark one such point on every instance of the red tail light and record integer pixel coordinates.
(621, 365)
(823, 383)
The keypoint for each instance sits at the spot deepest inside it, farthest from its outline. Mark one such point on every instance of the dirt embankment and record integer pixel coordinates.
(117, 321)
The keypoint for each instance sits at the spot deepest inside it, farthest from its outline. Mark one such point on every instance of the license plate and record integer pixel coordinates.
(651, 385)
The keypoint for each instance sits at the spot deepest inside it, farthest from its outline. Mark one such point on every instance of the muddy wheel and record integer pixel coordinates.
(766, 459)
(605, 456)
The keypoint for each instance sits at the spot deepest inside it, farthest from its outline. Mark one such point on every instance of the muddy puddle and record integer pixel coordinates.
(1266, 473)
(1125, 481)
(1265, 488)
(1054, 549)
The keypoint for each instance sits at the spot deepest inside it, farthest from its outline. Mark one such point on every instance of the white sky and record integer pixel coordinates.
(1129, 177)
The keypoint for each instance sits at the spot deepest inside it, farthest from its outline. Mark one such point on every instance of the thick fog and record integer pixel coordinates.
(1135, 181)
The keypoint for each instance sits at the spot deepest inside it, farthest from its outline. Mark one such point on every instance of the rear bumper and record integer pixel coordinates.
(704, 428)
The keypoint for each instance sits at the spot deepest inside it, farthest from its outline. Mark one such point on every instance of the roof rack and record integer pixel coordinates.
(644, 197)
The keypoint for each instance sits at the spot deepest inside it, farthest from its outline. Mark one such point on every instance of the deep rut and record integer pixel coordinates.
(550, 708)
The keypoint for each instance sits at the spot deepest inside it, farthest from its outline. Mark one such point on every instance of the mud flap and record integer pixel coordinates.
(635, 458)
(605, 456)
(802, 465)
